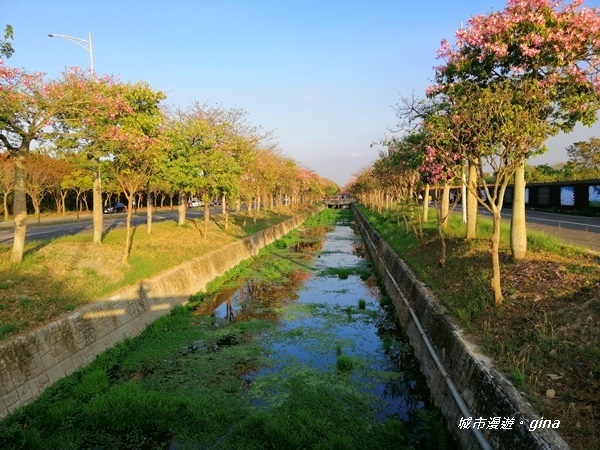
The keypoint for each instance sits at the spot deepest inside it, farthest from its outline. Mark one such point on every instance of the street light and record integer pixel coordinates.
(82, 43)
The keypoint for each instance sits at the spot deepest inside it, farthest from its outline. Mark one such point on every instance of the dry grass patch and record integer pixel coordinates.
(546, 335)
(71, 260)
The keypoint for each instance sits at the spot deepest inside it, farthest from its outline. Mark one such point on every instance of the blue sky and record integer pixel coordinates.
(323, 76)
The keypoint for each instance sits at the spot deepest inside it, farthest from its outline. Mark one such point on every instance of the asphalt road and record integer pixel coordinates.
(577, 230)
(53, 227)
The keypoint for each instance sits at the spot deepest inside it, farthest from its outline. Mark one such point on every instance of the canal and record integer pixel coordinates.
(298, 348)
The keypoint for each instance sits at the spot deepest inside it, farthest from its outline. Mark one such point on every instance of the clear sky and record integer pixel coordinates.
(323, 76)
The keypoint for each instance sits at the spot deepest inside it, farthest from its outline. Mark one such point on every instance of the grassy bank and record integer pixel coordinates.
(59, 275)
(192, 380)
(546, 335)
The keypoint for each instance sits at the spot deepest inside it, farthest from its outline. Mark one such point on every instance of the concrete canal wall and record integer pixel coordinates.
(32, 362)
(463, 382)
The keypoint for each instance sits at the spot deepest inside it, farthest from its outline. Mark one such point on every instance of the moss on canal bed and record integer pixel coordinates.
(196, 380)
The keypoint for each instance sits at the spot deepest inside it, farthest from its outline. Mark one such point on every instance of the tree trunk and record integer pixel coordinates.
(495, 250)
(19, 209)
(77, 195)
(56, 198)
(440, 217)
(225, 213)
(149, 210)
(256, 208)
(248, 210)
(128, 230)
(442, 235)
(518, 225)
(265, 205)
(63, 195)
(5, 206)
(472, 204)
(426, 204)
(445, 206)
(206, 217)
(181, 208)
(463, 195)
(36, 207)
(97, 203)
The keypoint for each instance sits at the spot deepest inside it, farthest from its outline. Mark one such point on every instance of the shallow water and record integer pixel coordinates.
(320, 320)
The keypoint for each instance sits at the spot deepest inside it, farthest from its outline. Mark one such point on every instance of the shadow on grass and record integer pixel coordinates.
(197, 226)
(128, 249)
(106, 232)
(36, 248)
(21, 307)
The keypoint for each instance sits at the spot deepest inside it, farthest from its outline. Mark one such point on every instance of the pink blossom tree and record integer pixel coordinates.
(85, 130)
(441, 163)
(136, 144)
(518, 77)
(28, 107)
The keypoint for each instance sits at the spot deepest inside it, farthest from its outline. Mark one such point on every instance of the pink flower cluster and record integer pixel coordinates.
(439, 166)
(549, 46)
(540, 37)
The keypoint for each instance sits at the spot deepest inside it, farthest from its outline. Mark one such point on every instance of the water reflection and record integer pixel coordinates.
(254, 299)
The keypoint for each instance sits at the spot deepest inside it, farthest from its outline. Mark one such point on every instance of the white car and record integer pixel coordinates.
(194, 203)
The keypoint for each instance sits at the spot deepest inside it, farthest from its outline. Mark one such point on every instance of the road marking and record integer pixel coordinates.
(564, 221)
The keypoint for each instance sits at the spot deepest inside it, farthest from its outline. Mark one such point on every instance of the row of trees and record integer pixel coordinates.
(81, 130)
(511, 80)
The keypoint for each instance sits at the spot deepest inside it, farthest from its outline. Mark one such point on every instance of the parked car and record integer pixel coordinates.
(195, 203)
(115, 208)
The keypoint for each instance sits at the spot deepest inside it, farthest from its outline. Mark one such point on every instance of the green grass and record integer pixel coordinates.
(465, 260)
(177, 382)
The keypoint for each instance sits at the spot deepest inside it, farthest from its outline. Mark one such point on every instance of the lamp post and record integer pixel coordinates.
(82, 43)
